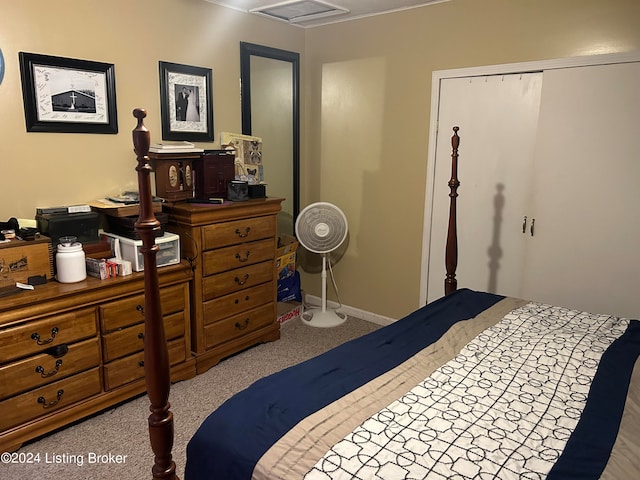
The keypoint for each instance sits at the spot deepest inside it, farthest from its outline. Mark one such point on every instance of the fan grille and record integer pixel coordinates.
(321, 227)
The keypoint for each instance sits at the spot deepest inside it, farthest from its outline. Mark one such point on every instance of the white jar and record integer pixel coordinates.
(70, 262)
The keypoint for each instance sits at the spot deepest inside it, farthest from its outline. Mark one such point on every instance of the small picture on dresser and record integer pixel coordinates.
(248, 155)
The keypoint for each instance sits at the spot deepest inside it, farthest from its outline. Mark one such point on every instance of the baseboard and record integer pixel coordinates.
(352, 311)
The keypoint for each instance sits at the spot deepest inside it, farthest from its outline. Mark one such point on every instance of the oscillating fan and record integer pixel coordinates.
(321, 228)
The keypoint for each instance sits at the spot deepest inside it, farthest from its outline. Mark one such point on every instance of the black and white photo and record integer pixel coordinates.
(186, 102)
(68, 95)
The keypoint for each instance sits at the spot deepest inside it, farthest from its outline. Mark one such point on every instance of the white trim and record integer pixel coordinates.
(502, 69)
(352, 311)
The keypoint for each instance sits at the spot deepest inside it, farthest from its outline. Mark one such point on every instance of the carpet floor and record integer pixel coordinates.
(71, 453)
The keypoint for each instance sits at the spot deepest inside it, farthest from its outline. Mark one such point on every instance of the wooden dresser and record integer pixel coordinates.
(70, 350)
(233, 293)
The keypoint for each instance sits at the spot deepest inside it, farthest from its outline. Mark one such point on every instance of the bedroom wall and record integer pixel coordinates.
(366, 87)
(46, 169)
(368, 105)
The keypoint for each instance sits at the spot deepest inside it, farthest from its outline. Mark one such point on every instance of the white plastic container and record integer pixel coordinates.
(70, 261)
(168, 250)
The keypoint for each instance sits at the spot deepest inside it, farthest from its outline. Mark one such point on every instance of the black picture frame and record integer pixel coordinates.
(68, 94)
(183, 120)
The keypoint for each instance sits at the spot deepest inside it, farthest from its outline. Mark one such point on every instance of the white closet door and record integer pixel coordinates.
(498, 117)
(585, 250)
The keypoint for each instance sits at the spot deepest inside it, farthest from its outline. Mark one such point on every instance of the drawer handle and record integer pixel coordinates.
(57, 350)
(242, 281)
(40, 370)
(246, 232)
(246, 257)
(141, 363)
(140, 308)
(240, 326)
(46, 404)
(141, 336)
(36, 337)
(237, 301)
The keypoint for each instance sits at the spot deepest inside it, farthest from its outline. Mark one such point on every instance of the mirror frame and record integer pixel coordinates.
(246, 51)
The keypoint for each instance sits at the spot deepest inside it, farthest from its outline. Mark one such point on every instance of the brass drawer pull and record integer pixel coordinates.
(141, 363)
(40, 370)
(140, 308)
(46, 404)
(242, 281)
(240, 326)
(36, 337)
(246, 257)
(141, 336)
(246, 232)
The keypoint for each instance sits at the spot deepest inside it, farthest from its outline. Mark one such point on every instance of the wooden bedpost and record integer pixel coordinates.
(451, 252)
(156, 358)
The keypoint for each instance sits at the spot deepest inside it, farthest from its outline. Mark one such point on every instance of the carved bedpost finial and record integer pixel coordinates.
(455, 139)
(451, 253)
(141, 136)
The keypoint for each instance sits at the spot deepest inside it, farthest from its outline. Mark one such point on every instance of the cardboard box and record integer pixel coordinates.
(286, 256)
(288, 311)
(21, 259)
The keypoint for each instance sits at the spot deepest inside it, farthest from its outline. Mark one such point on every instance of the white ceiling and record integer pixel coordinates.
(354, 8)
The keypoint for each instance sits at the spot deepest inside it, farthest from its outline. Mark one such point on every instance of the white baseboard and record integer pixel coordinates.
(316, 301)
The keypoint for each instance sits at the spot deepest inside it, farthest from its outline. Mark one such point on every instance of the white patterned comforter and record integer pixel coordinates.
(504, 407)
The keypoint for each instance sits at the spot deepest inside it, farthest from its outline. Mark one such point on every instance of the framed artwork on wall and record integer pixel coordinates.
(68, 95)
(186, 104)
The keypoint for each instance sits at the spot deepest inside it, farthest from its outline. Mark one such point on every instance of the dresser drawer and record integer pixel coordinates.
(223, 259)
(131, 339)
(130, 310)
(223, 234)
(128, 369)
(228, 282)
(39, 335)
(41, 369)
(48, 399)
(237, 302)
(238, 325)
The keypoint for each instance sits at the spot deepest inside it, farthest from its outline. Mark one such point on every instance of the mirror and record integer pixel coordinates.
(270, 85)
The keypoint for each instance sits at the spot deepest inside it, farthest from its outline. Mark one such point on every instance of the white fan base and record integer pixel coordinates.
(315, 317)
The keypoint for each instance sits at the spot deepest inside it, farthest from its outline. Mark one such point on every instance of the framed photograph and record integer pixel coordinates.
(248, 155)
(186, 104)
(68, 95)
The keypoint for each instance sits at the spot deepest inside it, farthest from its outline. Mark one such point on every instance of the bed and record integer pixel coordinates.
(473, 385)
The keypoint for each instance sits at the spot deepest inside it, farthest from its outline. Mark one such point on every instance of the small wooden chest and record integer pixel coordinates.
(213, 170)
(21, 259)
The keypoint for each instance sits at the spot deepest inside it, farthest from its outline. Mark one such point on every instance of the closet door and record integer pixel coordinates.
(585, 251)
(498, 117)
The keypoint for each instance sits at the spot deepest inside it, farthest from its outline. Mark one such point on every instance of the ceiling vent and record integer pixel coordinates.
(296, 11)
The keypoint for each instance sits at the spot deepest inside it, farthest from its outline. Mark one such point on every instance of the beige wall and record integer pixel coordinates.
(45, 169)
(366, 87)
(368, 104)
